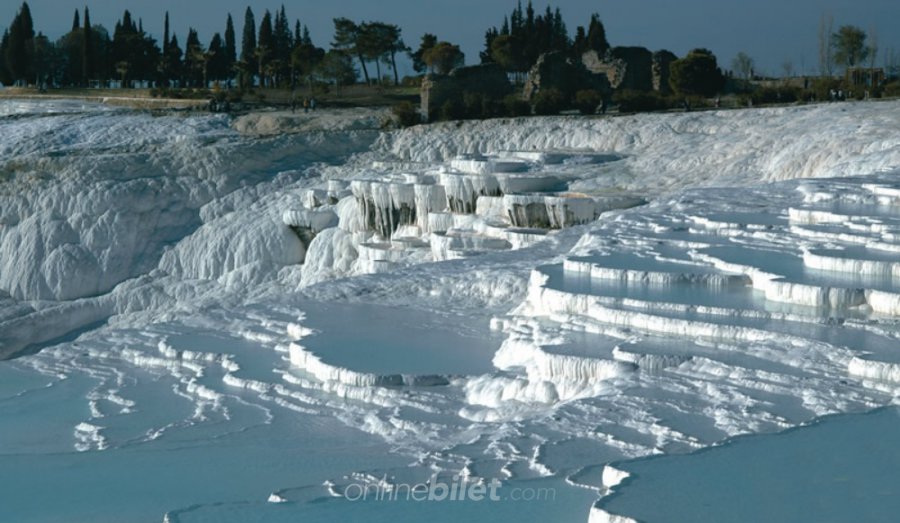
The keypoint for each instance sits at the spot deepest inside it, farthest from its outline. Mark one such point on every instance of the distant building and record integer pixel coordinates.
(865, 77)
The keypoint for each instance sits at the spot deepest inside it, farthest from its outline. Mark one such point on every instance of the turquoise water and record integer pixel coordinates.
(846, 468)
(554, 502)
(389, 340)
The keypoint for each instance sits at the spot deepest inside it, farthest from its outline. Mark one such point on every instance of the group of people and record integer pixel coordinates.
(309, 104)
(839, 95)
(218, 106)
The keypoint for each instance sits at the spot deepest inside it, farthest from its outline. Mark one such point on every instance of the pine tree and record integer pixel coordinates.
(531, 40)
(395, 44)
(485, 55)
(418, 58)
(596, 36)
(346, 34)
(337, 66)
(248, 49)
(579, 45)
(560, 32)
(696, 74)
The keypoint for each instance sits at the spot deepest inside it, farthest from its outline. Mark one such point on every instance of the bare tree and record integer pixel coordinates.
(891, 62)
(787, 69)
(826, 56)
(743, 65)
(872, 49)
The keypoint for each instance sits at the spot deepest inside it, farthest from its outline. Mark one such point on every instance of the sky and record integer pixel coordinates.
(772, 32)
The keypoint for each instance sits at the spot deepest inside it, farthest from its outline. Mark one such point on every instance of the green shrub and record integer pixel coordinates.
(406, 114)
(588, 101)
(453, 109)
(776, 95)
(821, 88)
(549, 101)
(514, 106)
(411, 81)
(492, 108)
(473, 104)
(891, 89)
(321, 88)
(630, 101)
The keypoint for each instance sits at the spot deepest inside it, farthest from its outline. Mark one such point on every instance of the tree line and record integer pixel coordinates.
(272, 53)
(524, 36)
(845, 48)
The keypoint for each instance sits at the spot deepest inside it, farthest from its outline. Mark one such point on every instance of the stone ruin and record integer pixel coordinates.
(557, 71)
(662, 61)
(633, 68)
(489, 80)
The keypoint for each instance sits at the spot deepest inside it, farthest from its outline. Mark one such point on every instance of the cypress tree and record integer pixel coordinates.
(173, 60)
(283, 38)
(5, 76)
(248, 49)
(76, 22)
(20, 48)
(215, 66)
(283, 43)
(164, 66)
(230, 47)
(193, 58)
(125, 50)
(165, 46)
(88, 50)
(265, 45)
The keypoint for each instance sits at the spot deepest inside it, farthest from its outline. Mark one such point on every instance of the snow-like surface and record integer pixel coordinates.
(279, 122)
(327, 309)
